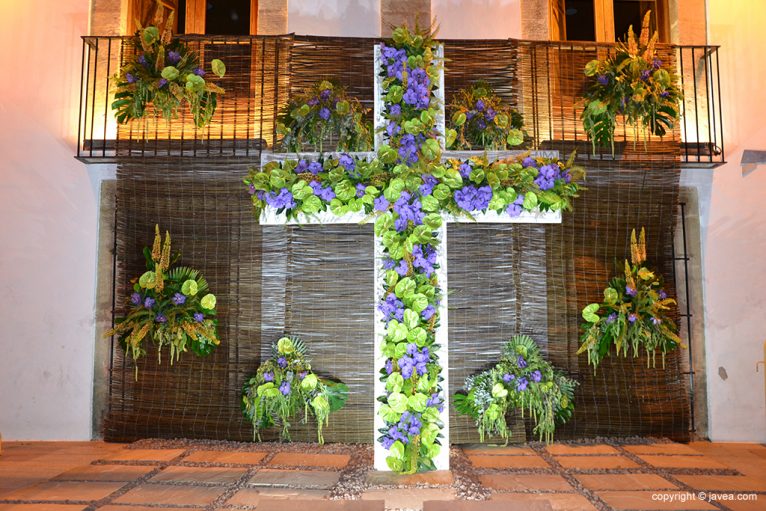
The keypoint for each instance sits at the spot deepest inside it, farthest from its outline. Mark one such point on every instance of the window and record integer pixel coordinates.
(214, 17)
(604, 20)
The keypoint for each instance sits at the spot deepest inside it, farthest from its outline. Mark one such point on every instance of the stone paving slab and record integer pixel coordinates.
(467, 505)
(141, 508)
(317, 479)
(171, 495)
(298, 459)
(243, 458)
(509, 450)
(662, 448)
(64, 490)
(724, 483)
(213, 475)
(625, 482)
(409, 498)
(40, 507)
(384, 478)
(526, 482)
(253, 496)
(507, 462)
(114, 473)
(557, 501)
(647, 500)
(581, 449)
(321, 505)
(146, 455)
(682, 462)
(595, 462)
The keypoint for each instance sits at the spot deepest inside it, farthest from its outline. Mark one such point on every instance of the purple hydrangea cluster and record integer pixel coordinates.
(632, 317)
(436, 401)
(324, 113)
(465, 170)
(408, 208)
(409, 425)
(547, 176)
(313, 167)
(418, 93)
(395, 61)
(514, 208)
(429, 182)
(424, 258)
(392, 308)
(408, 149)
(325, 193)
(381, 203)
(428, 312)
(347, 162)
(400, 266)
(470, 198)
(414, 361)
(393, 129)
(521, 384)
(360, 190)
(282, 200)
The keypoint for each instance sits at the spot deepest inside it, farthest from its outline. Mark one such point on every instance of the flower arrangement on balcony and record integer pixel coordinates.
(321, 114)
(284, 386)
(481, 119)
(634, 316)
(170, 307)
(165, 73)
(522, 381)
(633, 83)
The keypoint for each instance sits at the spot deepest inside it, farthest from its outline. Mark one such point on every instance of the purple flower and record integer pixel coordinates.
(632, 317)
(470, 198)
(514, 209)
(268, 376)
(162, 83)
(521, 362)
(664, 94)
(324, 113)
(395, 110)
(435, 401)
(130, 78)
(387, 442)
(529, 162)
(315, 167)
(178, 299)
(282, 362)
(142, 59)
(389, 366)
(284, 388)
(312, 102)
(360, 190)
(393, 129)
(160, 318)
(381, 204)
(325, 193)
(347, 162)
(428, 312)
(480, 105)
(536, 376)
(325, 94)
(656, 321)
(521, 384)
(630, 291)
(302, 375)
(282, 200)
(490, 114)
(603, 79)
(173, 57)
(656, 63)
(465, 170)
(611, 318)
(251, 189)
(149, 302)
(199, 71)
(199, 317)
(645, 74)
(135, 299)
(402, 268)
(663, 295)
(508, 378)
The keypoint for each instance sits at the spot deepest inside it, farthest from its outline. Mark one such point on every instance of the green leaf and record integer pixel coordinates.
(419, 302)
(417, 335)
(396, 331)
(190, 287)
(515, 137)
(442, 191)
(218, 67)
(395, 464)
(411, 319)
(589, 313)
(171, 73)
(398, 402)
(610, 295)
(150, 35)
(397, 449)
(391, 278)
(417, 402)
(458, 118)
(394, 383)
(311, 205)
(433, 221)
(388, 415)
(499, 391)
(530, 201)
(404, 288)
(309, 382)
(429, 203)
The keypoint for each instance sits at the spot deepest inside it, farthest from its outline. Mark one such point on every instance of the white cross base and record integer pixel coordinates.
(269, 216)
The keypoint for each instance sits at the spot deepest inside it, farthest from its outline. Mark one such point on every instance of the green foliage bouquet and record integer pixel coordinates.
(633, 83)
(523, 380)
(322, 112)
(284, 385)
(165, 73)
(634, 313)
(481, 119)
(170, 307)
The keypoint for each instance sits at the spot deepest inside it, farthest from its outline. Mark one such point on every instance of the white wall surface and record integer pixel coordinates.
(477, 19)
(348, 18)
(735, 237)
(48, 204)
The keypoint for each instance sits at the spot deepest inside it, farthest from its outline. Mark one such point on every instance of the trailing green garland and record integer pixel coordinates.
(523, 380)
(284, 385)
(481, 119)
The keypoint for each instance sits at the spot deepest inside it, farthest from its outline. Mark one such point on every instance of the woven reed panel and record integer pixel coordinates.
(255, 82)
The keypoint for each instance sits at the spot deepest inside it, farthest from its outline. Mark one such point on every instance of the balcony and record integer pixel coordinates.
(543, 80)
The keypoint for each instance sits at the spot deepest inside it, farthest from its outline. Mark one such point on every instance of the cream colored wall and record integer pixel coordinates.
(48, 206)
(735, 235)
(477, 19)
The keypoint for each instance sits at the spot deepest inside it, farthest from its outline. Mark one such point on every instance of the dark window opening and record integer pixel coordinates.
(632, 12)
(181, 17)
(227, 17)
(580, 21)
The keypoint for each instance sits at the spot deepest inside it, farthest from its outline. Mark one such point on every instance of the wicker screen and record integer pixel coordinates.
(317, 281)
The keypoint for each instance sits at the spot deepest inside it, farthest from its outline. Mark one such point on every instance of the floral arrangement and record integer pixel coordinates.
(165, 73)
(523, 380)
(632, 83)
(168, 306)
(284, 385)
(322, 112)
(482, 119)
(634, 313)
(407, 188)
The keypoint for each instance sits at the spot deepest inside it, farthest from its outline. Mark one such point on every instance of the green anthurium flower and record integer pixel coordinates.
(208, 301)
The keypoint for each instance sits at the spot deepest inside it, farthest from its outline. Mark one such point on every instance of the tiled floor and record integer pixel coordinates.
(87, 476)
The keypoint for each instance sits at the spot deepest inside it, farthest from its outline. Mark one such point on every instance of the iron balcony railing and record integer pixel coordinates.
(543, 80)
